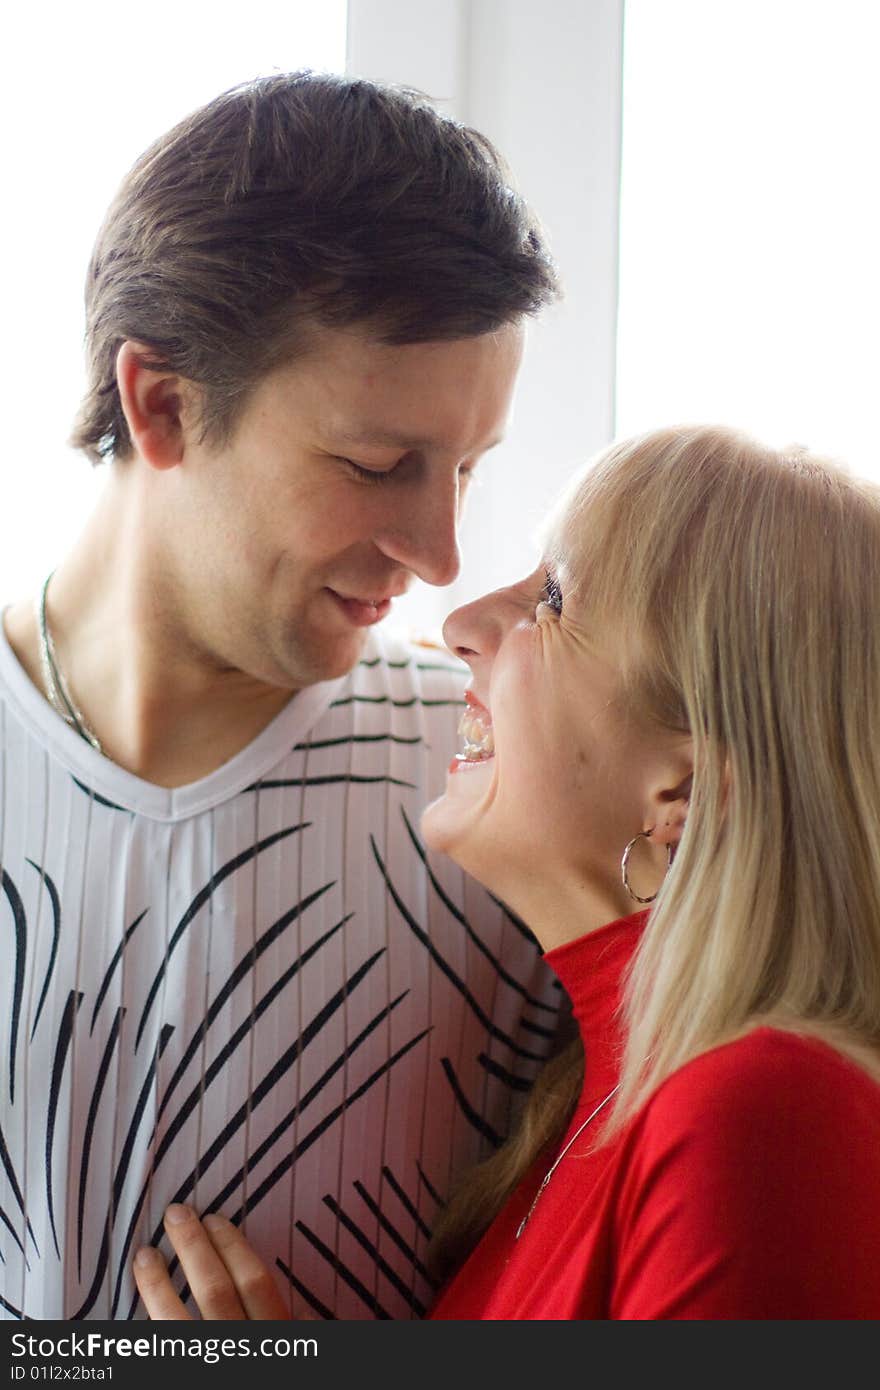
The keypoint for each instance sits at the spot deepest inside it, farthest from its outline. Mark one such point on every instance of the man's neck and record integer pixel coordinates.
(159, 706)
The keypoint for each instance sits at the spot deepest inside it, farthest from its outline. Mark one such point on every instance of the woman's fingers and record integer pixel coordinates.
(228, 1280)
(156, 1289)
(253, 1281)
(211, 1283)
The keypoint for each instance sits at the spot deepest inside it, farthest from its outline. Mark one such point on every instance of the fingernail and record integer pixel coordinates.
(176, 1214)
(214, 1222)
(147, 1256)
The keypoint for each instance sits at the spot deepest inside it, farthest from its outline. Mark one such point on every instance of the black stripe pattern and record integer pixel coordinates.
(269, 1001)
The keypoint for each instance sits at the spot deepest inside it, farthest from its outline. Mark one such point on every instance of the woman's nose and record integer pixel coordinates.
(475, 631)
(457, 632)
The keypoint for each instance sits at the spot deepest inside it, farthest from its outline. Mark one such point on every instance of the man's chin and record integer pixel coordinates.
(332, 660)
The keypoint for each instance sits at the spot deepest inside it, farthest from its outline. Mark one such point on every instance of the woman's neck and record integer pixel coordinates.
(563, 907)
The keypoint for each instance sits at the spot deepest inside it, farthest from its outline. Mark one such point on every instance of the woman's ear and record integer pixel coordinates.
(669, 811)
(153, 403)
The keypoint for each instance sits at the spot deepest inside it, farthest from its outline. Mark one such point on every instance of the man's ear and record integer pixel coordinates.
(154, 403)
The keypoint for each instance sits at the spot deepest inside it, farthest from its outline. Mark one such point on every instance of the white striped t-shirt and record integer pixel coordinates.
(254, 994)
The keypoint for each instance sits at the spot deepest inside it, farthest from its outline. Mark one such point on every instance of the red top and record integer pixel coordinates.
(748, 1185)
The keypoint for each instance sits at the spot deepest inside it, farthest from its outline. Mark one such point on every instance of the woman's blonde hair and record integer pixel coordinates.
(746, 584)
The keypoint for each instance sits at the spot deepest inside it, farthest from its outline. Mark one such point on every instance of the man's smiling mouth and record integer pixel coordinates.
(362, 612)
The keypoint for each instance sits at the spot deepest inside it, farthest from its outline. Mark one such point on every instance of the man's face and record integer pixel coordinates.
(345, 478)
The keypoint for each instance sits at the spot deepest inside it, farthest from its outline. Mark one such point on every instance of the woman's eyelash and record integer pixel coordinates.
(551, 594)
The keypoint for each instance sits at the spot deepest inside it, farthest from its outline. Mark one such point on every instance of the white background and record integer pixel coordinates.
(749, 225)
(750, 220)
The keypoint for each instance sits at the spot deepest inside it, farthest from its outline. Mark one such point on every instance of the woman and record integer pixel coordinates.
(685, 694)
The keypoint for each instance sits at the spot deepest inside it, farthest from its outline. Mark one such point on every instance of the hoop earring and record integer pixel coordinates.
(624, 865)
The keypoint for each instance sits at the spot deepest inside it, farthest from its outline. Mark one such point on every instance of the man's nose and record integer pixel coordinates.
(424, 536)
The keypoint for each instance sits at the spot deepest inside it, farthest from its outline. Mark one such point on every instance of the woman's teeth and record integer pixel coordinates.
(477, 738)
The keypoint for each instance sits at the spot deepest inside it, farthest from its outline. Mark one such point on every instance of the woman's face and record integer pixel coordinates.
(556, 775)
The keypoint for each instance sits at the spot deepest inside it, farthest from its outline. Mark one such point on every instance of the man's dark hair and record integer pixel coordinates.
(299, 199)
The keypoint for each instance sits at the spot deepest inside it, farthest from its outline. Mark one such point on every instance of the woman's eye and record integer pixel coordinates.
(551, 594)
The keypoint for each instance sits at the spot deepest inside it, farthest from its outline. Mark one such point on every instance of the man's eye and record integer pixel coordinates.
(551, 593)
(367, 475)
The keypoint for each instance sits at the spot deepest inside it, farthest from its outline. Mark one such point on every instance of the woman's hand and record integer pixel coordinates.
(228, 1279)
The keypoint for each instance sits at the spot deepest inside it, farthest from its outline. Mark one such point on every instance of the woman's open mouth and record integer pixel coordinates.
(476, 735)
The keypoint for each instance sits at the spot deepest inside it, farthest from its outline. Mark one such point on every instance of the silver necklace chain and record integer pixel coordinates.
(57, 688)
(559, 1157)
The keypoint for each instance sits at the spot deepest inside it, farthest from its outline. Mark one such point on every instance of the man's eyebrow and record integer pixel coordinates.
(388, 439)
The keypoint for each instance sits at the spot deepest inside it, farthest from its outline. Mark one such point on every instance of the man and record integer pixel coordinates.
(234, 981)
